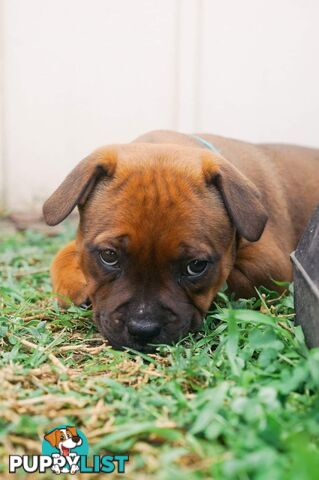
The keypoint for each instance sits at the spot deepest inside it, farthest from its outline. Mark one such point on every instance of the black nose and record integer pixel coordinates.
(143, 329)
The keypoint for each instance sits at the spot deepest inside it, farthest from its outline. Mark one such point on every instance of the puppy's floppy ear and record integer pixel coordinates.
(51, 438)
(72, 430)
(240, 196)
(74, 190)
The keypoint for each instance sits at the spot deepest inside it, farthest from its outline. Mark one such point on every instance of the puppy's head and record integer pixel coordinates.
(64, 438)
(156, 239)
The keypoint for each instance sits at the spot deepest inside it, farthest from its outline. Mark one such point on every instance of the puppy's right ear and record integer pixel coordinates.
(74, 190)
(51, 438)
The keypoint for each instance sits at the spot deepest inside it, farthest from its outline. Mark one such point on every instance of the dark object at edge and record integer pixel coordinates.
(305, 261)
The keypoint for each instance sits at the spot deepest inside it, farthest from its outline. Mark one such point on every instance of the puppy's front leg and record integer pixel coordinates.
(67, 277)
(259, 264)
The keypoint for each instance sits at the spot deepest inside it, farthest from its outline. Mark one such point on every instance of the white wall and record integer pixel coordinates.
(259, 76)
(81, 73)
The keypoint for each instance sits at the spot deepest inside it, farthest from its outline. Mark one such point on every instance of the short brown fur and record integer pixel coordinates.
(166, 198)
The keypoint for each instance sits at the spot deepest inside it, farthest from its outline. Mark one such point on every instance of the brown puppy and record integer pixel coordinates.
(164, 222)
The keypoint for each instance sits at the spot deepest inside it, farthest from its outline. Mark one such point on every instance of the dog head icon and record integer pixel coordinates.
(64, 439)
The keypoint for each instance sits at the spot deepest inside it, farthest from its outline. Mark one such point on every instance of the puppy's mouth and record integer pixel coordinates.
(65, 451)
(120, 339)
(139, 347)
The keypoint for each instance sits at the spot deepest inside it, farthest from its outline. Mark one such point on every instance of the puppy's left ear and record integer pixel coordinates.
(241, 198)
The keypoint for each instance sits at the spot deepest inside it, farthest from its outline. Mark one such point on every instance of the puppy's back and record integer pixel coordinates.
(298, 169)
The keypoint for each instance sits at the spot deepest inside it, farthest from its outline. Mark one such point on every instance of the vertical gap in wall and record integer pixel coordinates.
(176, 99)
(198, 66)
(187, 71)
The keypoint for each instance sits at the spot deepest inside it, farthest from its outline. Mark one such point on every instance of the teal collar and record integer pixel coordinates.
(208, 145)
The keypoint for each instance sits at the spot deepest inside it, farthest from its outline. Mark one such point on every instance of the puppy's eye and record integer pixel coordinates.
(109, 257)
(196, 267)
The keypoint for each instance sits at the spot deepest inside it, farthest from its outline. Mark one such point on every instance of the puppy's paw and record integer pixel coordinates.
(67, 277)
(74, 469)
(67, 294)
(56, 469)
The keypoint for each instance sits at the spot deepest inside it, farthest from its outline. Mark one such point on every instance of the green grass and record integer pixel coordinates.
(237, 401)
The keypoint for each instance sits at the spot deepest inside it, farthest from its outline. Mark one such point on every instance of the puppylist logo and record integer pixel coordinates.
(65, 450)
